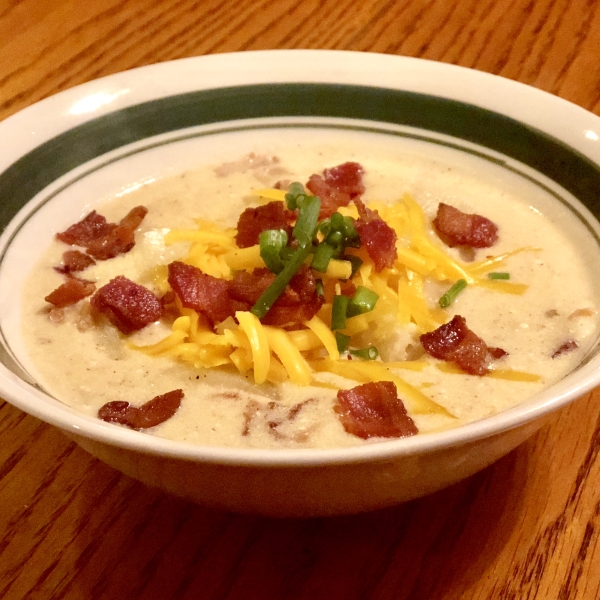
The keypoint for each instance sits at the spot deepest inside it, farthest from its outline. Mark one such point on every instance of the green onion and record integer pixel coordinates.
(355, 261)
(306, 224)
(323, 254)
(335, 238)
(271, 243)
(324, 227)
(370, 353)
(319, 288)
(337, 221)
(499, 275)
(295, 192)
(268, 297)
(338, 312)
(343, 341)
(349, 229)
(363, 301)
(450, 296)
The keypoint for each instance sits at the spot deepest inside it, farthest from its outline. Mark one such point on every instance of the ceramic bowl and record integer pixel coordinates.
(99, 137)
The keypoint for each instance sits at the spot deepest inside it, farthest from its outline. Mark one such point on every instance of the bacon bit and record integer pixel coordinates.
(282, 184)
(337, 187)
(104, 240)
(253, 221)
(455, 342)
(302, 287)
(88, 229)
(247, 287)
(497, 352)
(287, 316)
(457, 228)
(374, 410)
(74, 260)
(152, 413)
(551, 313)
(347, 288)
(119, 240)
(377, 236)
(127, 305)
(133, 219)
(204, 293)
(568, 346)
(168, 298)
(70, 292)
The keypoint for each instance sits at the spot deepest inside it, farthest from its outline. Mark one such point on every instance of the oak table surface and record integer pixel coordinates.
(527, 527)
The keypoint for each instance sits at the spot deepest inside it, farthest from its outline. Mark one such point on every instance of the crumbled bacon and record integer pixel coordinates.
(497, 352)
(120, 239)
(567, 346)
(101, 239)
(248, 287)
(347, 288)
(377, 236)
(74, 260)
(204, 293)
(457, 228)
(70, 292)
(82, 233)
(285, 316)
(253, 221)
(152, 413)
(455, 342)
(127, 305)
(337, 187)
(133, 219)
(374, 410)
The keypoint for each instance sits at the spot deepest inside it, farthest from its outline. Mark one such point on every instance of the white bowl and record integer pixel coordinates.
(69, 150)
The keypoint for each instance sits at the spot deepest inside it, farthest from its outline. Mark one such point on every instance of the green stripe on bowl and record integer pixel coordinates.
(53, 159)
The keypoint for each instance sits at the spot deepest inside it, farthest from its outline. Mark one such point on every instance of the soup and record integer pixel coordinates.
(538, 307)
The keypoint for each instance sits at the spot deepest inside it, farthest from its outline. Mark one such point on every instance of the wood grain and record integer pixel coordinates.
(525, 528)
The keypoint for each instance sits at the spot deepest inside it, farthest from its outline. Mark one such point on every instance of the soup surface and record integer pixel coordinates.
(545, 322)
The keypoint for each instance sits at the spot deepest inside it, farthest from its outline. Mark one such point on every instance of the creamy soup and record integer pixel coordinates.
(87, 363)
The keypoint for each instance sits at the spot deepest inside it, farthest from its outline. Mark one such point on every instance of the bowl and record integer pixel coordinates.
(70, 150)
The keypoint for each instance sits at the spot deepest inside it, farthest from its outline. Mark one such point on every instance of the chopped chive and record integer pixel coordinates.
(370, 353)
(268, 297)
(319, 288)
(353, 242)
(349, 229)
(355, 261)
(343, 341)
(363, 301)
(271, 243)
(286, 253)
(338, 312)
(295, 191)
(323, 254)
(324, 227)
(450, 296)
(499, 275)
(337, 221)
(335, 238)
(306, 223)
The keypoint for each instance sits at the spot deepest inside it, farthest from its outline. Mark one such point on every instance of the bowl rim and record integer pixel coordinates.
(578, 129)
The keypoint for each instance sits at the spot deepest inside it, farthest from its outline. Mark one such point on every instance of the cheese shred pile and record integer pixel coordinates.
(272, 354)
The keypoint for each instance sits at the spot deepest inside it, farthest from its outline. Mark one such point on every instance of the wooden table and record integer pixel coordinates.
(527, 527)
